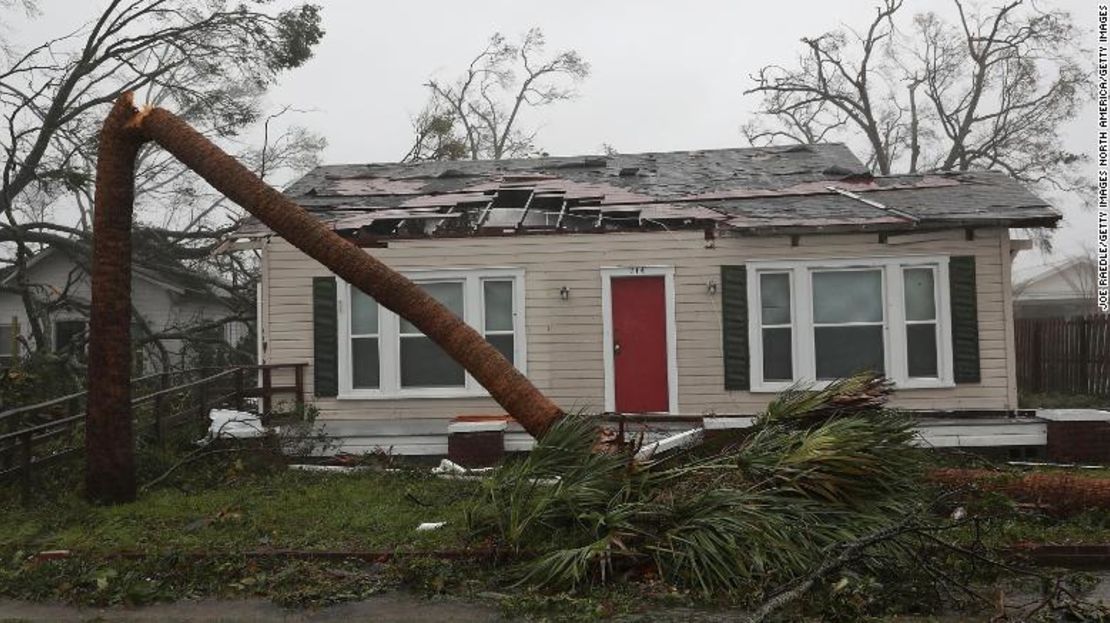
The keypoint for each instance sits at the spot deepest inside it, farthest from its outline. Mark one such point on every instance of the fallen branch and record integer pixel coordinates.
(849, 552)
(189, 458)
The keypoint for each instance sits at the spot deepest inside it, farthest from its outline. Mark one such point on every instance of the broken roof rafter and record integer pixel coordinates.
(485, 214)
(559, 224)
(874, 204)
(524, 210)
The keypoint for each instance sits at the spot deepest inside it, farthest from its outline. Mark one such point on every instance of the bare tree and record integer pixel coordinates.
(478, 115)
(990, 91)
(211, 59)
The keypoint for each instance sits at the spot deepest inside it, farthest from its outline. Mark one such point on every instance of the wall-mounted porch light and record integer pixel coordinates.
(711, 287)
(564, 293)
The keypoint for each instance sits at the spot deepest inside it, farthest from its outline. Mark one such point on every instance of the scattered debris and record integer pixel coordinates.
(51, 554)
(448, 467)
(229, 423)
(1053, 465)
(332, 469)
(430, 525)
(684, 439)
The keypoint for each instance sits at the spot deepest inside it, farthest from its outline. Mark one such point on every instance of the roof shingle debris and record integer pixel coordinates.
(769, 190)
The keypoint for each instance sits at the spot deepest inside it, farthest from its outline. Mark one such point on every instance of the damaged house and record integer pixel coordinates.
(677, 286)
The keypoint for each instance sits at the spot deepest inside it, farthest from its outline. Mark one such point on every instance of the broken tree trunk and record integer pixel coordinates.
(511, 389)
(109, 446)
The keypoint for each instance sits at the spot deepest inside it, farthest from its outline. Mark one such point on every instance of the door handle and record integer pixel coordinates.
(616, 348)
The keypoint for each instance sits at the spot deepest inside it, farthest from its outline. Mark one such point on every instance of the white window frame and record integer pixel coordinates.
(894, 319)
(389, 374)
(792, 325)
(936, 322)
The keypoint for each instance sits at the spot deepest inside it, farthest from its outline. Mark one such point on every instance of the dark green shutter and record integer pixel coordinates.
(734, 324)
(965, 319)
(325, 337)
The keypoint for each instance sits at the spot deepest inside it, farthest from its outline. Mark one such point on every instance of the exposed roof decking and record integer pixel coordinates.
(795, 189)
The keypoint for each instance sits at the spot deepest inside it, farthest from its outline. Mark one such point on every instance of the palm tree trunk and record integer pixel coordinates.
(109, 446)
(511, 389)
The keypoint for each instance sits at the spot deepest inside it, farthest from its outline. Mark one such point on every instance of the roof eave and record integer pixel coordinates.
(935, 225)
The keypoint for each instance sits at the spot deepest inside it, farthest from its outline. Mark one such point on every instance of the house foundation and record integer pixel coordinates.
(1057, 435)
(476, 442)
(1077, 435)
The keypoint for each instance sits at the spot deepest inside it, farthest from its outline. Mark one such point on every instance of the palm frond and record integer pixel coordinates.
(852, 461)
(822, 467)
(848, 396)
(554, 486)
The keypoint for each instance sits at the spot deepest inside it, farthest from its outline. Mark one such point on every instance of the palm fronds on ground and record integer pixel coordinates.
(820, 468)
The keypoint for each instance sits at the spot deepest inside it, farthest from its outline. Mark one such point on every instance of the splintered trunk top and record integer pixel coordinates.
(125, 129)
(109, 449)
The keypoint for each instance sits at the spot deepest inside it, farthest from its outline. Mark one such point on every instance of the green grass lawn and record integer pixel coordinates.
(230, 506)
(287, 509)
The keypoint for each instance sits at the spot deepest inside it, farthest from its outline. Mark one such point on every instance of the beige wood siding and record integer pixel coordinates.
(565, 337)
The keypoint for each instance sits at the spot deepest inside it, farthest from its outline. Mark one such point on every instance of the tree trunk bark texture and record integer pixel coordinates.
(124, 131)
(109, 443)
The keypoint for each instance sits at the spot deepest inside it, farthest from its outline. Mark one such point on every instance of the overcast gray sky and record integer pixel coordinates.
(666, 75)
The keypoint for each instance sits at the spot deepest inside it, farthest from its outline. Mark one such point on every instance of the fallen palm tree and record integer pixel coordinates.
(821, 509)
(108, 440)
(821, 468)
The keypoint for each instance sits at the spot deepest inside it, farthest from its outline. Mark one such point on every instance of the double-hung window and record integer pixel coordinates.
(815, 321)
(365, 347)
(777, 328)
(922, 324)
(383, 355)
(71, 336)
(7, 345)
(423, 364)
(848, 322)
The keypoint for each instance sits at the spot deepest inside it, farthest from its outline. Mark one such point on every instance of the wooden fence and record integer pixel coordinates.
(1064, 355)
(35, 437)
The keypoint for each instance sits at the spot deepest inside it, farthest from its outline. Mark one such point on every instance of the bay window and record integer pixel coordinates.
(815, 321)
(382, 355)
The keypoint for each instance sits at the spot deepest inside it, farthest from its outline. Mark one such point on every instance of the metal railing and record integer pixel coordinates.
(34, 437)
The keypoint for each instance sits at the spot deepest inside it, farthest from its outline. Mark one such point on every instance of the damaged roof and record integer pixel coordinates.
(766, 190)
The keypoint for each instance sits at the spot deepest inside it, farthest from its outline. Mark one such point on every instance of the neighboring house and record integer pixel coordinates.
(1061, 290)
(691, 283)
(165, 302)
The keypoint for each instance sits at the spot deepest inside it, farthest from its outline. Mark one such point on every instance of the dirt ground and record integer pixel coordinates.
(386, 608)
(394, 607)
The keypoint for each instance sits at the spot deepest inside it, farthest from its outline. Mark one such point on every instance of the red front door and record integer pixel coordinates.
(640, 344)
